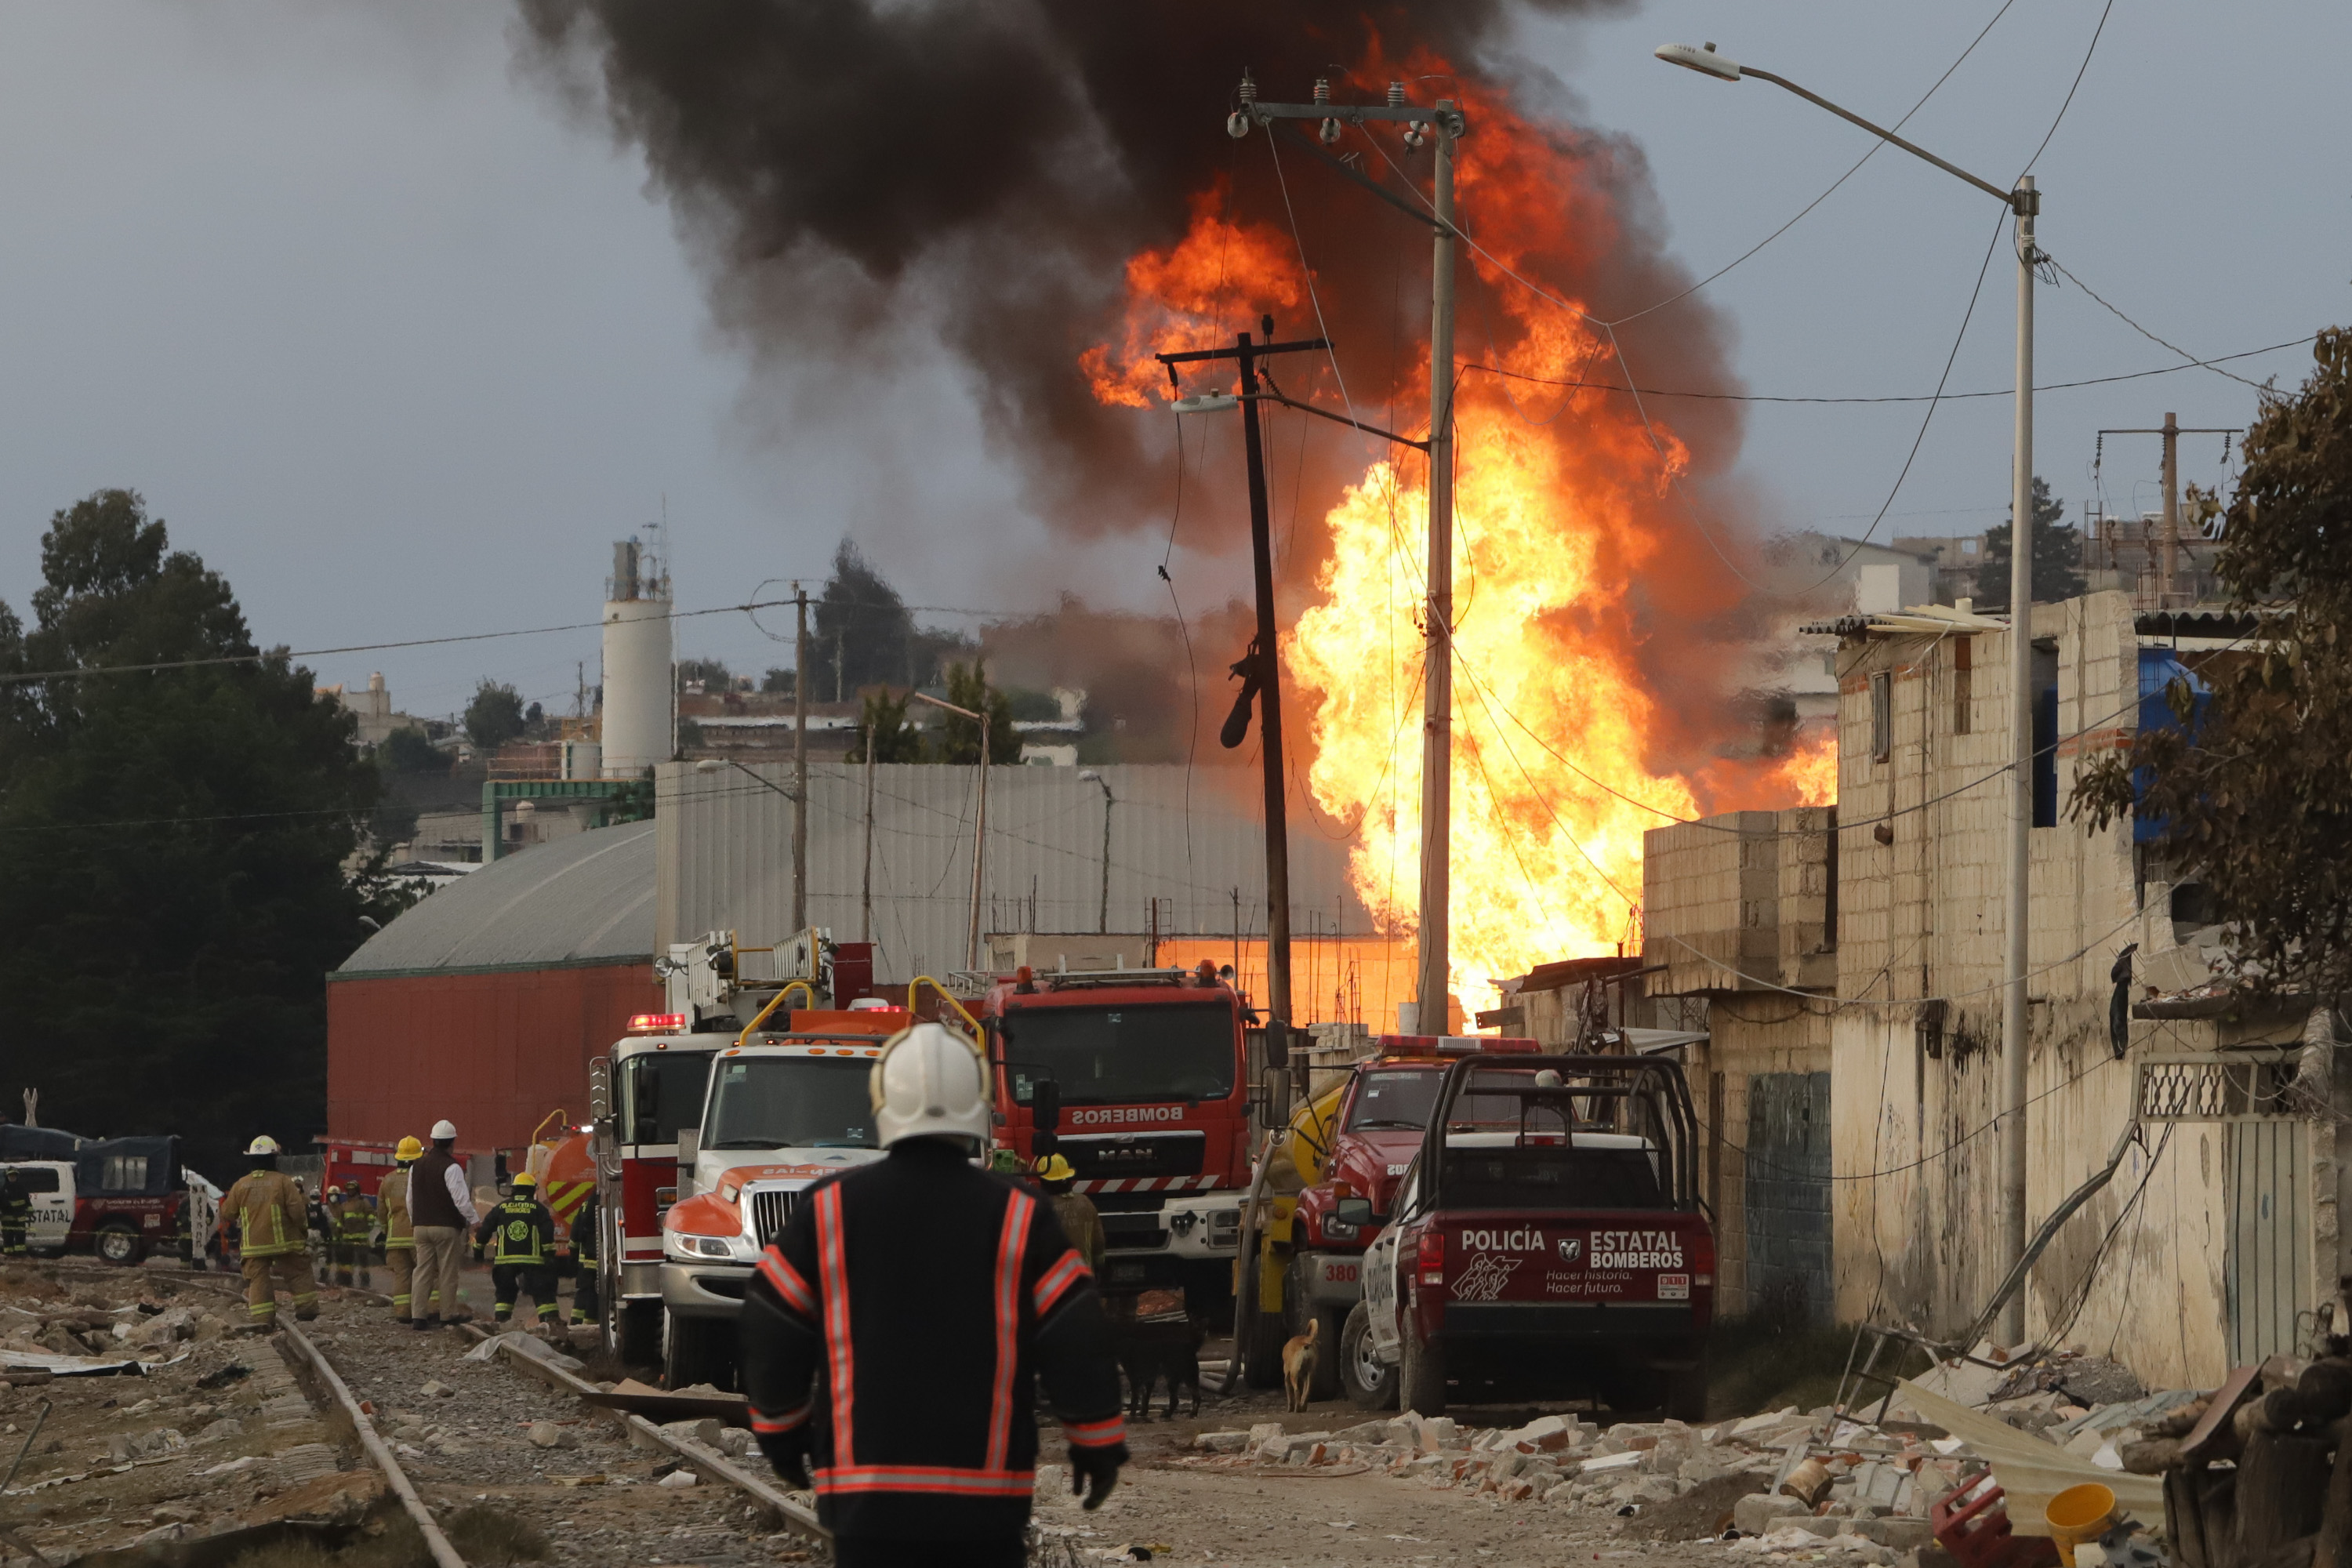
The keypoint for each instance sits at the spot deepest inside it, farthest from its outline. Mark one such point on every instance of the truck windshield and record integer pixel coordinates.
(1551, 1177)
(661, 1093)
(1404, 1097)
(790, 1103)
(1108, 1055)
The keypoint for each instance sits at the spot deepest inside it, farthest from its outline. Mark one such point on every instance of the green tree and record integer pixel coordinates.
(406, 750)
(2057, 553)
(173, 850)
(959, 742)
(777, 682)
(2250, 780)
(884, 730)
(494, 716)
(713, 673)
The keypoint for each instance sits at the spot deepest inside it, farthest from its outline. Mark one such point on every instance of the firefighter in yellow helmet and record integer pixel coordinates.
(1080, 1223)
(520, 1236)
(351, 1229)
(271, 1229)
(399, 1230)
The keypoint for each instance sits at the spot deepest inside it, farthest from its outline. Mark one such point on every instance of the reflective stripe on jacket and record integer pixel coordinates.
(351, 1220)
(392, 1198)
(519, 1230)
(270, 1214)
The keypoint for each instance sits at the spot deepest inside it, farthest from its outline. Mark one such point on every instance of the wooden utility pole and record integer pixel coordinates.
(865, 882)
(2168, 560)
(1262, 668)
(800, 763)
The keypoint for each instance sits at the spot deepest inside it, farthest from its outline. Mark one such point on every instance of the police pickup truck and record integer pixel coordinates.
(1548, 1241)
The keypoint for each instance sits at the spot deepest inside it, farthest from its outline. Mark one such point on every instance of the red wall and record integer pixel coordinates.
(494, 1053)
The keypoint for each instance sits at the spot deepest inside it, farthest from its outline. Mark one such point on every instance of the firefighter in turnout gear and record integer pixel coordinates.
(350, 1224)
(399, 1235)
(1080, 1223)
(520, 1236)
(266, 1207)
(893, 1337)
(15, 1215)
(585, 1259)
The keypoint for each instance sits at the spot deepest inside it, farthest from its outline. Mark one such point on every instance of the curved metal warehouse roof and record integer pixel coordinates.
(587, 899)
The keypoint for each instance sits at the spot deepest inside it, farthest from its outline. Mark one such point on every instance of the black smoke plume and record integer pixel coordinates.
(987, 167)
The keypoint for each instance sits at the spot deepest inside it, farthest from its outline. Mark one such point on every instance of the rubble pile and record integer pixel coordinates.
(1870, 1497)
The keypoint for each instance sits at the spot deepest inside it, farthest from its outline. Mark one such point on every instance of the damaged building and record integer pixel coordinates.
(1848, 964)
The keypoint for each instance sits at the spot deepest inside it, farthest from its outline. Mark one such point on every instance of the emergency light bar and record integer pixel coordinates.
(1452, 1045)
(656, 1023)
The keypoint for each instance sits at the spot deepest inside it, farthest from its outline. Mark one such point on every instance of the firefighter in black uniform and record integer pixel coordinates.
(520, 1236)
(584, 1260)
(892, 1338)
(15, 1215)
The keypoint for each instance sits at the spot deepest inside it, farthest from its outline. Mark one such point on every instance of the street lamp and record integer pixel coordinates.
(2025, 202)
(979, 821)
(1102, 920)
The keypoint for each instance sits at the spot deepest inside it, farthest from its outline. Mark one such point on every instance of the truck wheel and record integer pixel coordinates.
(1421, 1380)
(1687, 1393)
(696, 1350)
(118, 1244)
(1262, 1367)
(1370, 1383)
(636, 1332)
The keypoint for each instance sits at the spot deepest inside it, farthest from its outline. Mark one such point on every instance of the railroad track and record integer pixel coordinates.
(605, 1487)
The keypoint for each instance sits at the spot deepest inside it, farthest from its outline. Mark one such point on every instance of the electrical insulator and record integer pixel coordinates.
(1329, 131)
(1396, 95)
(1249, 89)
(1236, 125)
(1322, 89)
(1413, 136)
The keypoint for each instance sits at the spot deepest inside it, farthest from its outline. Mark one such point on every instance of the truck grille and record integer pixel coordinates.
(769, 1210)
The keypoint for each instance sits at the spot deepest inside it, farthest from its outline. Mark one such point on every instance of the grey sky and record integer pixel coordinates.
(400, 347)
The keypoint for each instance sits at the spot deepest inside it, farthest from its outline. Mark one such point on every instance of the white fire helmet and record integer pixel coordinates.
(929, 1083)
(445, 1127)
(265, 1144)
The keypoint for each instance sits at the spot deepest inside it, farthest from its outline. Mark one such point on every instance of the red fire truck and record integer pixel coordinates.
(1139, 1078)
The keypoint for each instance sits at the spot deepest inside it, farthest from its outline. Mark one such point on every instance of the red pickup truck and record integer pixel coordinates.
(1547, 1240)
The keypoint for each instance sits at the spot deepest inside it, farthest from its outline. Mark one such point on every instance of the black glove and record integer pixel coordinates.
(788, 1455)
(1094, 1471)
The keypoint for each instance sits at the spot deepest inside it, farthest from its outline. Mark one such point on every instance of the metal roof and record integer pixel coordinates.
(586, 899)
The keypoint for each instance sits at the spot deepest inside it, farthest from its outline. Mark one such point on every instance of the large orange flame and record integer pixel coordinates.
(1565, 516)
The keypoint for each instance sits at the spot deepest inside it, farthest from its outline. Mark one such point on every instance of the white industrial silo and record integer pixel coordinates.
(640, 725)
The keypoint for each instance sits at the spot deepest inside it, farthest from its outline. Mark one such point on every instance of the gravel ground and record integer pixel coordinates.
(597, 1499)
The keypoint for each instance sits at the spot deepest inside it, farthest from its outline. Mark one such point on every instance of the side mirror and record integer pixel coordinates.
(1357, 1212)
(1046, 1104)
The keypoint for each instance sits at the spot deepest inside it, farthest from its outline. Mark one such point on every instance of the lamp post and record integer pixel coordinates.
(2025, 202)
(980, 822)
(1102, 920)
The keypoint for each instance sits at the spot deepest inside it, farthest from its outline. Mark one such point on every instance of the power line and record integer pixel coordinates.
(2090, 49)
(2194, 363)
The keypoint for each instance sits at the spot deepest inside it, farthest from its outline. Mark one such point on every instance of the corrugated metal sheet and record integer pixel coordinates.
(586, 899)
(493, 1052)
(1190, 838)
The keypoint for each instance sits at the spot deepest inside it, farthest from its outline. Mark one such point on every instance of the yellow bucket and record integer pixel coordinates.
(2078, 1514)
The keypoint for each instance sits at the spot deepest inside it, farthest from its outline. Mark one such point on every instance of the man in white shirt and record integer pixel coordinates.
(443, 1215)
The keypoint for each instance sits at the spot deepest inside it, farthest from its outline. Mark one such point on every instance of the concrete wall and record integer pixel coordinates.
(1736, 909)
(1917, 1086)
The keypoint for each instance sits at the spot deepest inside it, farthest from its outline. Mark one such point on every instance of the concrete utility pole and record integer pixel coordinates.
(1090, 776)
(800, 763)
(2167, 572)
(865, 882)
(2024, 201)
(980, 823)
(1447, 124)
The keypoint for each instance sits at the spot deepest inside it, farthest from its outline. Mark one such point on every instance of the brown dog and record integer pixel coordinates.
(1298, 1358)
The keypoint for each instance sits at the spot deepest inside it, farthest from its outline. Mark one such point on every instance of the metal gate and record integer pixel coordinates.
(1786, 1199)
(2269, 1270)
